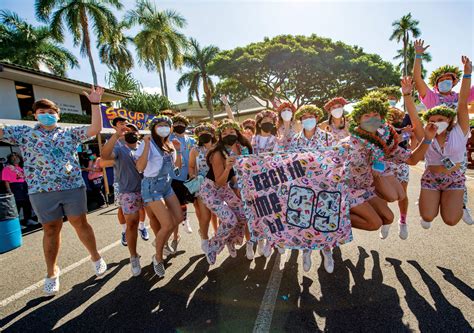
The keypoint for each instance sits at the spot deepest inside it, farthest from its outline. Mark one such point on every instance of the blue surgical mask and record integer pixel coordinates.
(309, 124)
(445, 86)
(47, 119)
(392, 102)
(371, 125)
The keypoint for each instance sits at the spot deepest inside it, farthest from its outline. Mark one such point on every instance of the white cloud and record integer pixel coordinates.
(152, 90)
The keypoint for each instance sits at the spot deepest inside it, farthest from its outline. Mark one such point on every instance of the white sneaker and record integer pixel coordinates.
(328, 261)
(307, 260)
(187, 226)
(384, 231)
(135, 265)
(51, 285)
(403, 230)
(424, 224)
(204, 245)
(260, 246)
(249, 250)
(267, 250)
(99, 267)
(232, 251)
(32, 222)
(466, 216)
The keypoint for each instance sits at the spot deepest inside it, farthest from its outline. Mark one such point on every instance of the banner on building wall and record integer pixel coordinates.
(141, 120)
(296, 200)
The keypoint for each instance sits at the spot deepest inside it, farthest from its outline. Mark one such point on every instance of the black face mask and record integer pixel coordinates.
(229, 140)
(131, 138)
(266, 127)
(205, 138)
(179, 129)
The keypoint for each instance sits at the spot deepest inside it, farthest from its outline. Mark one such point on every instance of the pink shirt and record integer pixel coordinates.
(454, 148)
(13, 174)
(434, 98)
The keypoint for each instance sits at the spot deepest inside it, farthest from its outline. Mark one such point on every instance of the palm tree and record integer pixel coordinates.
(401, 32)
(113, 49)
(426, 57)
(123, 81)
(26, 45)
(197, 59)
(78, 16)
(159, 42)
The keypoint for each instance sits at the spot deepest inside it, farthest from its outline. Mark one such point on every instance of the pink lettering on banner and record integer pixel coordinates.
(296, 200)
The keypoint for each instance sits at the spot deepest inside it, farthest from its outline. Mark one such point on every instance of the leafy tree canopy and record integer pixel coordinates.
(303, 69)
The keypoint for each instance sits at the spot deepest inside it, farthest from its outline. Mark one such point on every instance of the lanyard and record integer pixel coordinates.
(436, 144)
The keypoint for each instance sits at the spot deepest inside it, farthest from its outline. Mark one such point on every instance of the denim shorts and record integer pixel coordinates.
(52, 206)
(156, 188)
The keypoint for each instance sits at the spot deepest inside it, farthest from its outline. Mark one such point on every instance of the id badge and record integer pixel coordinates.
(448, 164)
(378, 166)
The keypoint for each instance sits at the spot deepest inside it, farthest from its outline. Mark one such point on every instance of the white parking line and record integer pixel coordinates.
(265, 314)
(39, 284)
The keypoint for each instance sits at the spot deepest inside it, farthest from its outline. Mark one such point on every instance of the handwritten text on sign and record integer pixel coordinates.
(296, 200)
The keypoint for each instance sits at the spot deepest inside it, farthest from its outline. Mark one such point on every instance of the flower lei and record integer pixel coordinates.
(380, 145)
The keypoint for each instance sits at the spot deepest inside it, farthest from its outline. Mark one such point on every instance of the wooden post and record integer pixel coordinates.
(104, 171)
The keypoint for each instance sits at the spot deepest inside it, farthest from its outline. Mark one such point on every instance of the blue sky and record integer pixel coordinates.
(448, 26)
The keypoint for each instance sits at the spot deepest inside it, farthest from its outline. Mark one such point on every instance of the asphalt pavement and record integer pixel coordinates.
(422, 284)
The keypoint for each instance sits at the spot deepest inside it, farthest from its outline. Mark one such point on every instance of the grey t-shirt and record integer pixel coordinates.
(126, 174)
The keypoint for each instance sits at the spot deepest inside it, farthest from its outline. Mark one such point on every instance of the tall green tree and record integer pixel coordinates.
(159, 42)
(113, 49)
(303, 69)
(198, 59)
(402, 29)
(26, 45)
(123, 81)
(79, 16)
(146, 103)
(426, 57)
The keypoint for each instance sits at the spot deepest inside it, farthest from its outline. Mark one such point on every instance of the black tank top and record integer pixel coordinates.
(210, 174)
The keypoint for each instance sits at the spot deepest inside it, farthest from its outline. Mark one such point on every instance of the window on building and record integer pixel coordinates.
(26, 98)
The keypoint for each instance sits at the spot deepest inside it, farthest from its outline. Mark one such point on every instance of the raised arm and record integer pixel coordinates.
(143, 159)
(407, 88)
(421, 85)
(463, 114)
(419, 153)
(94, 97)
(227, 107)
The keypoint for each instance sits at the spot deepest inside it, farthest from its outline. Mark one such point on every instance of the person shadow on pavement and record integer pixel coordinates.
(443, 317)
(45, 318)
(458, 283)
(370, 305)
(141, 303)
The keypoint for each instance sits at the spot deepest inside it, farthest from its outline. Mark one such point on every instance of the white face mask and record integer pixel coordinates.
(163, 131)
(442, 126)
(286, 115)
(337, 113)
(309, 124)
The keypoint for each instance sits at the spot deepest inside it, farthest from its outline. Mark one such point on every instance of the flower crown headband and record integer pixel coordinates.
(226, 125)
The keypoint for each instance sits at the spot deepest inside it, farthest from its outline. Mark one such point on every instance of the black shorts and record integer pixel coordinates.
(182, 192)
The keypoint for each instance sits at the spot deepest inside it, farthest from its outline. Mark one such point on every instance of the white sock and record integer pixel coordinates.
(124, 227)
(141, 225)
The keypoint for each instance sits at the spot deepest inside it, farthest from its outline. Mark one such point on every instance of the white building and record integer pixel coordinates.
(21, 86)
